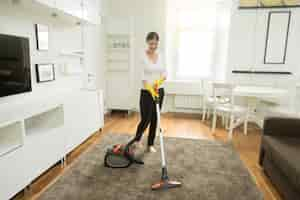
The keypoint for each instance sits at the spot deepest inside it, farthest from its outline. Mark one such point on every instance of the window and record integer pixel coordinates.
(197, 38)
(196, 32)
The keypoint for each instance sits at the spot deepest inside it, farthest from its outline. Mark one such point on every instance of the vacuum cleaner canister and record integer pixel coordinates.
(115, 157)
(120, 156)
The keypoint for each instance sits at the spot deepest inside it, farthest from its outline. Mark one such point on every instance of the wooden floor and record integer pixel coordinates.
(175, 125)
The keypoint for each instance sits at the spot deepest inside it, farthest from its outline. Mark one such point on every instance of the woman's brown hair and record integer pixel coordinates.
(152, 36)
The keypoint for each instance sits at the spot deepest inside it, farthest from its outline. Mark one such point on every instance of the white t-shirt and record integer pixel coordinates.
(152, 71)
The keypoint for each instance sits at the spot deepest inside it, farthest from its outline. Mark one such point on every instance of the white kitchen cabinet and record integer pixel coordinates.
(82, 117)
(119, 91)
(50, 3)
(71, 7)
(87, 10)
(91, 11)
(12, 176)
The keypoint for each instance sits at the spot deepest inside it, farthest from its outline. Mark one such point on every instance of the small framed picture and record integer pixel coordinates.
(42, 37)
(45, 72)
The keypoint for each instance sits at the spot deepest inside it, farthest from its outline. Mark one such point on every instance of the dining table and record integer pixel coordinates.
(254, 95)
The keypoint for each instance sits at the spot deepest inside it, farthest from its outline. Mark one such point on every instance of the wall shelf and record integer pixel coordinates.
(118, 35)
(79, 54)
(118, 60)
(119, 50)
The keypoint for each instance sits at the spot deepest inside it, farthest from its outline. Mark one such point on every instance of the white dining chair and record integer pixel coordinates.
(224, 105)
(208, 99)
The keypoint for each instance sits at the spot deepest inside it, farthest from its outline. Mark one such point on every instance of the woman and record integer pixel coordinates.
(152, 69)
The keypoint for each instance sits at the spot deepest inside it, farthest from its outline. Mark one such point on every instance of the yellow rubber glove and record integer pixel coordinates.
(154, 90)
(159, 82)
(151, 90)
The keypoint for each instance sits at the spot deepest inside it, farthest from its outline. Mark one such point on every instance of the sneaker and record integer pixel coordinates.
(151, 149)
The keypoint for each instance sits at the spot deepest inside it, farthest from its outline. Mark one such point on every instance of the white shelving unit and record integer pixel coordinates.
(120, 63)
(41, 130)
(11, 136)
(118, 54)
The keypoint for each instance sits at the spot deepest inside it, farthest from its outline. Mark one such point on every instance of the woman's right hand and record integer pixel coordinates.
(151, 90)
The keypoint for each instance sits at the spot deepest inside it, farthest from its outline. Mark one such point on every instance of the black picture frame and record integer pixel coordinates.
(39, 45)
(286, 37)
(45, 72)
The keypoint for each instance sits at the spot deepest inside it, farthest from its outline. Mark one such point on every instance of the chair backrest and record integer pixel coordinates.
(223, 93)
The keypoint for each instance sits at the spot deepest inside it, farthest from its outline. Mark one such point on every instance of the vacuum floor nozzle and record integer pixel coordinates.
(165, 184)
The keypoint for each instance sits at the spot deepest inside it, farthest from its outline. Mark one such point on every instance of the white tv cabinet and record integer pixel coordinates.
(39, 132)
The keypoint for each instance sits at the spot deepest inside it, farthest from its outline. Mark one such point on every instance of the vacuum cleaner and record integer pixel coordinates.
(122, 156)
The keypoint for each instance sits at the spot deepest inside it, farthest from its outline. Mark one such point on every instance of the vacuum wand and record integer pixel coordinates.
(162, 149)
(164, 183)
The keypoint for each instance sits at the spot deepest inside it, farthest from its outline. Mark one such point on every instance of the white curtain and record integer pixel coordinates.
(196, 30)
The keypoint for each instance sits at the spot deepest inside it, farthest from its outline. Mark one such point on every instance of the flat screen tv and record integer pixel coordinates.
(15, 75)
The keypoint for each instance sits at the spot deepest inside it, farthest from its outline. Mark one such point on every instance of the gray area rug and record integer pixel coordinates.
(207, 169)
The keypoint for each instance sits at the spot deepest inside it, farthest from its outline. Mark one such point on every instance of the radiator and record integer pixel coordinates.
(187, 101)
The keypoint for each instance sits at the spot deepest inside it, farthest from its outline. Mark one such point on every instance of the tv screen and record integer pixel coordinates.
(15, 75)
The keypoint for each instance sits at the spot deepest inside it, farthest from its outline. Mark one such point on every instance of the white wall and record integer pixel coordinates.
(247, 41)
(19, 19)
(297, 99)
(247, 45)
(223, 23)
(147, 16)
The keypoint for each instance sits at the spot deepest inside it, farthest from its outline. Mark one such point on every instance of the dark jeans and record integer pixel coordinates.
(148, 115)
